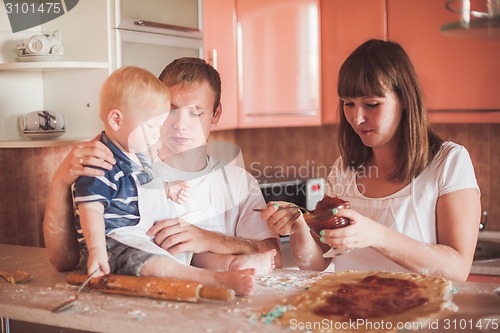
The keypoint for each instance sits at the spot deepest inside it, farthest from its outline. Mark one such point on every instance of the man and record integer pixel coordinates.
(195, 89)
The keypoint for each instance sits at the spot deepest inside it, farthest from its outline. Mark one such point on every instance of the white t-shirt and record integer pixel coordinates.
(411, 211)
(221, 199)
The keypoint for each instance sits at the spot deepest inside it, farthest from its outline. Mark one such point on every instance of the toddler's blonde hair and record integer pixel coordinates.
(130, 89)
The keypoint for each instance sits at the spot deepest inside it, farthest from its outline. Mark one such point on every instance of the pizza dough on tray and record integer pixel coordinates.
(366, 302)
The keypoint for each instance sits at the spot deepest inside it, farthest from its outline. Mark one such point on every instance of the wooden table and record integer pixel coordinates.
(33, 301)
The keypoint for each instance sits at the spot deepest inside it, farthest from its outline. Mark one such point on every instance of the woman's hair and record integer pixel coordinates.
(130, 89)
(190, 72)
(375, 67)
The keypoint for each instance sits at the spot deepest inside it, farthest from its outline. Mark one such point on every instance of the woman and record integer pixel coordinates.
(414, 199)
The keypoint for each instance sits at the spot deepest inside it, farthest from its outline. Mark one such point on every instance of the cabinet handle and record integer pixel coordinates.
(213, 58)
(143, 23)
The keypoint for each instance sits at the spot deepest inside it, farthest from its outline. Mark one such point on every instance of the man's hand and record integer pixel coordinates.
(177, 235)
(83, 160)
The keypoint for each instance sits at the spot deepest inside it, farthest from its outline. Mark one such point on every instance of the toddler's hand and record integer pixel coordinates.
(177, 191)
(98, 260)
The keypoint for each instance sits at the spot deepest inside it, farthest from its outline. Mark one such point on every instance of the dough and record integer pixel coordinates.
(367, 302)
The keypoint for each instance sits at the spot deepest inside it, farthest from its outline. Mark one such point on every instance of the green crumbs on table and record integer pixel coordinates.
(275, 313)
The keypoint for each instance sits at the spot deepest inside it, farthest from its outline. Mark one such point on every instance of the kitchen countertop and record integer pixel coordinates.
(487, 267)
(32, 302)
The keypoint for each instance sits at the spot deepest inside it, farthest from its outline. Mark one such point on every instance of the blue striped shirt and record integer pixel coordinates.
(116, 190)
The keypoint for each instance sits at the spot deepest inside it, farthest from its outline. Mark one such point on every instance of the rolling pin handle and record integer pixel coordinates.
(214, 293)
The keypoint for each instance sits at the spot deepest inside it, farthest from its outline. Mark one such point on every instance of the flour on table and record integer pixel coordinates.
(286, 281)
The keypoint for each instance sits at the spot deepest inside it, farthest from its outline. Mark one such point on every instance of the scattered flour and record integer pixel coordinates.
(138, 314)
(285, 281)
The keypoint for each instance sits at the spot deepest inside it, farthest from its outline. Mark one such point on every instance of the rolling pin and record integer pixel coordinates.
(153, 287)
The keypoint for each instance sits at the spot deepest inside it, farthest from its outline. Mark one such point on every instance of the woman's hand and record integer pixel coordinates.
(362, 232)
(82, 160)
(283, 221)
(306, 249)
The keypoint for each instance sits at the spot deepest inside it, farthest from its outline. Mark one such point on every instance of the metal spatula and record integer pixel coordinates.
(69, 303)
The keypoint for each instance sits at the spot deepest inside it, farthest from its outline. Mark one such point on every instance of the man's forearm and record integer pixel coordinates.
(63, 250)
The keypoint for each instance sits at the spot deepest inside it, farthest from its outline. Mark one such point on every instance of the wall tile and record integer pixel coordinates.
(25, 173)
(8, 225)
(255, 145)
(7, 164)
(29, 224)
(25, 189)
(24, 162)
(8, 190)
(44, 158)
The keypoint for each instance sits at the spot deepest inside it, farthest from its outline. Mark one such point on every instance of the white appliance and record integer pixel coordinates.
(152, 33)
(302, 192)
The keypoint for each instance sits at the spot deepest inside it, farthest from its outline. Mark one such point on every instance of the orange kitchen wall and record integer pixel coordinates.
(456, 73)
(344, 26)
(25, 173)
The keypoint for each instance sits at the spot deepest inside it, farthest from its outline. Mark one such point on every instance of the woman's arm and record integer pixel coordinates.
(58, 230)
(458, 216)
(306, 248)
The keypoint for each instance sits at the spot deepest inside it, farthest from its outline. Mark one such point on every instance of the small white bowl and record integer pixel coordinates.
(42, 121)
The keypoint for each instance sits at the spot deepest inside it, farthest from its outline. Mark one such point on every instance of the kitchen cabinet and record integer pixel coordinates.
(172, 13)
(219, 23)
(69, 87)
(459, 77)
(278, 63)
(152, 33)
(344, 26)
(455, 73)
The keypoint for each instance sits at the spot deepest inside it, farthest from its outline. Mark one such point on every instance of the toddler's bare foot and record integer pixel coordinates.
(240, 281)
(262, 262)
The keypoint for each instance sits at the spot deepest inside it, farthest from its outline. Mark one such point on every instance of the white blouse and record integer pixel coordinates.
(411, 211)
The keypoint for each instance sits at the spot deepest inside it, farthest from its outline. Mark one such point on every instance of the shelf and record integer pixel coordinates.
(35, 65)
(28, 143)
